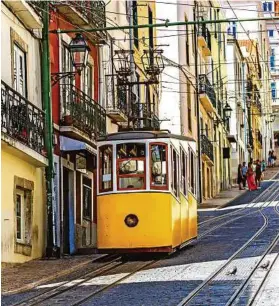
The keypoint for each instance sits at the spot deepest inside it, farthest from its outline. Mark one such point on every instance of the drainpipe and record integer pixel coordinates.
(198, 111)
(46, 91)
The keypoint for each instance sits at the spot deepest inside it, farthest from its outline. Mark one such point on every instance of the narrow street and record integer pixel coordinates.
(234, 261)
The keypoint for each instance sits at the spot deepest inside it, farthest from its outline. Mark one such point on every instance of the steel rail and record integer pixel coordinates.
(34, 300)
(195, 292)
(246, 281)
(239, 209)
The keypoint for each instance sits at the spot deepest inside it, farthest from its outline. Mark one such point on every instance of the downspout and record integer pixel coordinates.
(245, 109)
(198, 111)
(46, 91)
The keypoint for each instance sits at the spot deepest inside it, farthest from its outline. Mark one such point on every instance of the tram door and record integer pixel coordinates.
(68, 213)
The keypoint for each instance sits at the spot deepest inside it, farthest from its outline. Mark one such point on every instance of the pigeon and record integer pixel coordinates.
(265, 265)
(232, 271)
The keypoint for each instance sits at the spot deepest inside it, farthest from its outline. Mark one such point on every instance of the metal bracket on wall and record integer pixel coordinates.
(56, 77)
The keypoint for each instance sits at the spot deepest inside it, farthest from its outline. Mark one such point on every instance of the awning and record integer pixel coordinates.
(69, 144)
(232, 138)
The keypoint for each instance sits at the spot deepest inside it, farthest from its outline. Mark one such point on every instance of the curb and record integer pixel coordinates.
(51, 277)
(231, 200)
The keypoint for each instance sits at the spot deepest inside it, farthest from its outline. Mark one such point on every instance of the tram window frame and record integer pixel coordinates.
(166, 185)
(192, 174)
(175, 172)
(184, 172)
(120, 160)
(102, 149)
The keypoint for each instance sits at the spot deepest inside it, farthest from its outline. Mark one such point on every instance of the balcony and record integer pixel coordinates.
(204, 40)
(207, 149)
(26, 13)
(142, 116)
(85, 13)
(82, 118)
(22, 126)
(117, 108)
(207, 93)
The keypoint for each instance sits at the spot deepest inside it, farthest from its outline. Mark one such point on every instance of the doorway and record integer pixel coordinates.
(68, 212)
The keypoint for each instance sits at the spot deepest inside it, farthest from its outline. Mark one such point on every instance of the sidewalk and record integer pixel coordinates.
(227, 196)
(20, 277)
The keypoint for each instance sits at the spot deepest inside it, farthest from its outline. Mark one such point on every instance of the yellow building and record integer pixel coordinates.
(254, 104)
(213, 97)
(22, 139)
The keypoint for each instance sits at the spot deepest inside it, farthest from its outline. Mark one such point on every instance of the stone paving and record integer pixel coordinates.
(17, 277)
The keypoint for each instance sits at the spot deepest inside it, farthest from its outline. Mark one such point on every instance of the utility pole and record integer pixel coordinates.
(46, 90)
(198, 108)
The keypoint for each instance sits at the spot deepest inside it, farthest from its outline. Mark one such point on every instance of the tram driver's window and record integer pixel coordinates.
(130, 166)
(105, 153)
(158, 166)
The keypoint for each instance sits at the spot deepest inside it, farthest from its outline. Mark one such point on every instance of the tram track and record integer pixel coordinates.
(238, 210)
(198, 293)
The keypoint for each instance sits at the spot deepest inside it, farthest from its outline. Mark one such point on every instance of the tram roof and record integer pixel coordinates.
(130, 135)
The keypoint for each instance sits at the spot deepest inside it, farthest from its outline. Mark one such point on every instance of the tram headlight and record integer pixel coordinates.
(131, 220)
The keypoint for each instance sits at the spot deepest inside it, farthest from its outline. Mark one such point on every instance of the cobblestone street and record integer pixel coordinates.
(243, 236)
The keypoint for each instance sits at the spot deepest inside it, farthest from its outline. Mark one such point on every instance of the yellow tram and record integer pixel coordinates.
(145, 192)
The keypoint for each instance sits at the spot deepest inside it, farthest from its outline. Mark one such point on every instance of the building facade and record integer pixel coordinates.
(23, 155)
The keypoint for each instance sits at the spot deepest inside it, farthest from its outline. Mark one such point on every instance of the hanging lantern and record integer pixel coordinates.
(123, 63)
(227, 111)
(152, 61)
(79, 52)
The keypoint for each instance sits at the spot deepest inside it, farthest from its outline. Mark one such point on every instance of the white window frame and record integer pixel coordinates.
(21, 193)
(18, 53)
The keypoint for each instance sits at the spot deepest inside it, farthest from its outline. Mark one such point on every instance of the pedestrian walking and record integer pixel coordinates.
(273, 158)
(269, 159)
(258, 173)
(240, 177)
(263, 166)
(244, 170)
(251, 178)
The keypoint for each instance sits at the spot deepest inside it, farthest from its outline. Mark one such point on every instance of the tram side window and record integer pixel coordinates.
(131, 166)
(183, 172)
(174, 184)
(158, 166)
(105, 155)
(192, 177)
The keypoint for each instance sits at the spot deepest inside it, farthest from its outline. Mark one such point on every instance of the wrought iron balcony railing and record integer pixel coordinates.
(21, 120)
(207, 147)
(82, 112)
(203, 31)
(206, 88)
(142, 115)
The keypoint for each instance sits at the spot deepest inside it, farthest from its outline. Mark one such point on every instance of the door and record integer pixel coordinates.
(68, 212)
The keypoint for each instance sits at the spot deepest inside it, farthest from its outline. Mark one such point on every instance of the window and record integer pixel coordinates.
(189, 104)
(158, 166)
(87, 80)
(131, 166)
(272, 59)
(150, 33)
(20, 208)
(183, 157)
(135, 22)
(232, 29)
(270, 33)
(175, 167)
(67, 65)
(19, 65)
(187, 48)
(105, 158)
(267, 6)
(87, 198)
(273, 90)
(192, 177)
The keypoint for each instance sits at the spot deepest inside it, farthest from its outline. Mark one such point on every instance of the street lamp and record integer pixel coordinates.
(227, 111)
(153, 63)
(79, 51)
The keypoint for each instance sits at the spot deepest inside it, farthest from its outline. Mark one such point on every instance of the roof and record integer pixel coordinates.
(129, 135)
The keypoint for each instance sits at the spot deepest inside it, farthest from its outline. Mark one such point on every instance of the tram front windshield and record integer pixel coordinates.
(131, 166)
